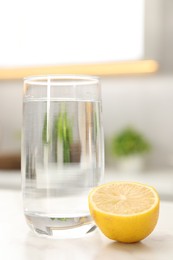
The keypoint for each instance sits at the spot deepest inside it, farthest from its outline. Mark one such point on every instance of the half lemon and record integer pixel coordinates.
(125, 211)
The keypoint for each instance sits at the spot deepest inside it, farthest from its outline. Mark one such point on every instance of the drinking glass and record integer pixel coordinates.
(62, 153)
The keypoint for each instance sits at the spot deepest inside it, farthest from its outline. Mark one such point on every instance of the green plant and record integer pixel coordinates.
(62, 134)
(63, 131)
(129, 142)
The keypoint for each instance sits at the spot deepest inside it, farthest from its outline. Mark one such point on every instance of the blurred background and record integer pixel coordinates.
(129, 45)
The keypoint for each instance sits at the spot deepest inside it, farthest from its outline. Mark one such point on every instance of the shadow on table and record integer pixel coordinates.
(124, 250)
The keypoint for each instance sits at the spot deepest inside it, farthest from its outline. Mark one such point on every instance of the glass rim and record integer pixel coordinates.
(61, 79)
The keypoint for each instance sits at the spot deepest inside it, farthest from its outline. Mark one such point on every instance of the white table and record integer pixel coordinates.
(19, 243)
(162, 180)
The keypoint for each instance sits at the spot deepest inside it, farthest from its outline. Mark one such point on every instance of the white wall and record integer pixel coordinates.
(147, 104)
(10, 115)
(142, 102)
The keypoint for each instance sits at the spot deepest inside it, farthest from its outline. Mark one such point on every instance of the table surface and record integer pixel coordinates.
(162, 180)
(18, 242)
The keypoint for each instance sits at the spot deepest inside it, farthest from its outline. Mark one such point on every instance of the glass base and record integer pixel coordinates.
(60, 228)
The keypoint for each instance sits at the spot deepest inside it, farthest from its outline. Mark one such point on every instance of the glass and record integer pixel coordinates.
(62, 153)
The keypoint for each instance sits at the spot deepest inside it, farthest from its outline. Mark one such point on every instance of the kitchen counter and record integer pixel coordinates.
(19, 243)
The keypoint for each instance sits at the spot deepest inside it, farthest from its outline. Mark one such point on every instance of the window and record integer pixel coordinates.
(56, 32)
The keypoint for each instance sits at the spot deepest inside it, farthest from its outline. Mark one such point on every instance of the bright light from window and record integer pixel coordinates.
(55, 32)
